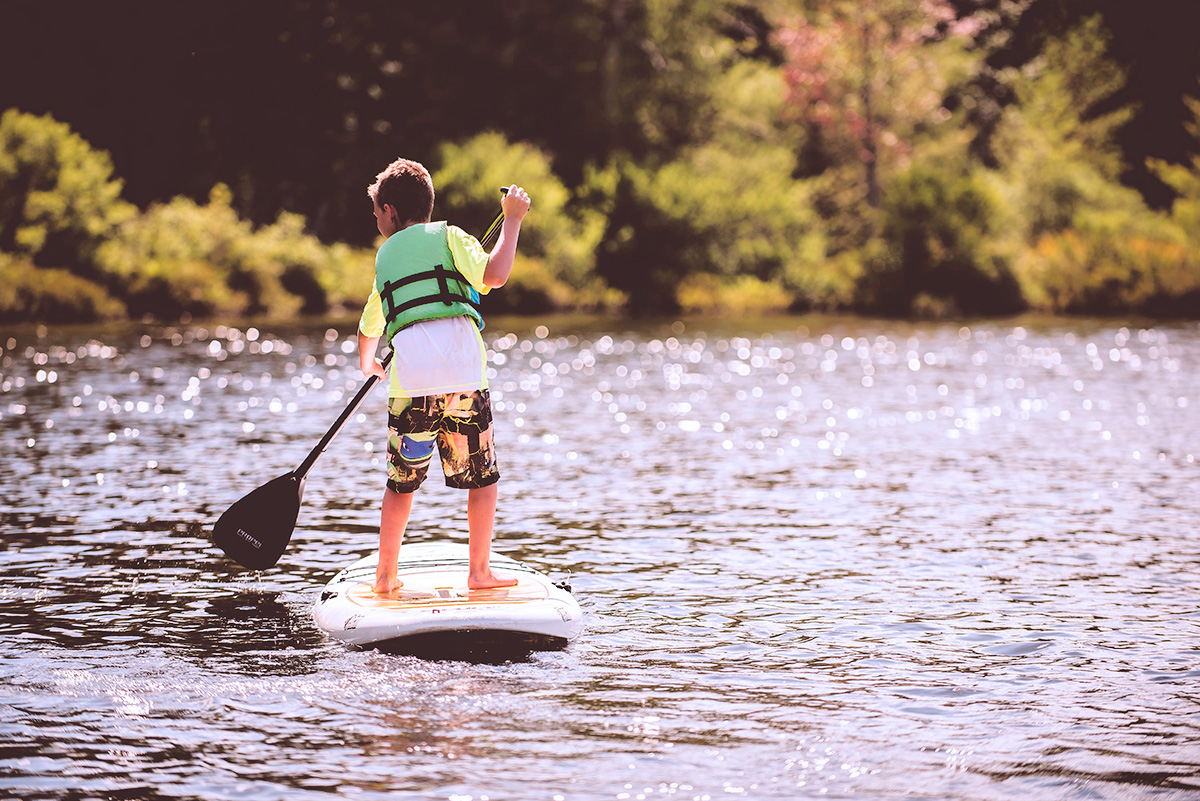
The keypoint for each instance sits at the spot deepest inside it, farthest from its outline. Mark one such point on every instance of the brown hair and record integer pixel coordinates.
(406, 186)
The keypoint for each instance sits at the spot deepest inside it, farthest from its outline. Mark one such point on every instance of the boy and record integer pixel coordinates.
(428, 277)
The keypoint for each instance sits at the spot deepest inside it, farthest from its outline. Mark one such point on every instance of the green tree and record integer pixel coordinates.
(177, 258)
(1058, 157)
(1086, 244)
(720, 213)
(717, 214)
(742, 222)
(182, 258)
(58, 198)
(558, 239)
(941, 255)
(1185, 178)
(866, 79)
(50, 295)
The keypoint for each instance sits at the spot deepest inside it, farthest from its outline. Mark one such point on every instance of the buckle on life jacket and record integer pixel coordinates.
(444, 295)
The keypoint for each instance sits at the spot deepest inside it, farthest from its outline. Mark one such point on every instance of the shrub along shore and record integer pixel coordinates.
(781, 202)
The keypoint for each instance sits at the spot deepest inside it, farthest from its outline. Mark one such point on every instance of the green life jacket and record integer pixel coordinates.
(417, 280)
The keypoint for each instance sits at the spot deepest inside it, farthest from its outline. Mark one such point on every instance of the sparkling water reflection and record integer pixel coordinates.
(818, 557)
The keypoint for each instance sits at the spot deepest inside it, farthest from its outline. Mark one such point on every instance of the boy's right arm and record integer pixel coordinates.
(371, 328)
(367, 361)
(500, 261)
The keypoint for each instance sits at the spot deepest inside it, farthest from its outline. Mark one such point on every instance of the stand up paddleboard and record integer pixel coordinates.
(435, 615)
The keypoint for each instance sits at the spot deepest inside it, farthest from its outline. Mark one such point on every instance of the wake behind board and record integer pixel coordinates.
(435, 615)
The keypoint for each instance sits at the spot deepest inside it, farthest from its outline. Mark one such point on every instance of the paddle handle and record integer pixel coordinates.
(493, 230)
(310, 460)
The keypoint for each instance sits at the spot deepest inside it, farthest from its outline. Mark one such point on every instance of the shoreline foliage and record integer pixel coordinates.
(804, 155)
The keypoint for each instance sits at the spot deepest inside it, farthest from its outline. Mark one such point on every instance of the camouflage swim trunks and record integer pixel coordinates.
(459, 424)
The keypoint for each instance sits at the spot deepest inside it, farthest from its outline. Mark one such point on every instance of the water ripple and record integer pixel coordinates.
(818, 558)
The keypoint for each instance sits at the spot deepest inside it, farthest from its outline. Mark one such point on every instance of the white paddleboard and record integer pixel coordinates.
(435, 614)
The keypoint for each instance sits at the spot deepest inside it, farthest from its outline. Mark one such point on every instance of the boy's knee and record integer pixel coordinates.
(406, 485)
(473, 481)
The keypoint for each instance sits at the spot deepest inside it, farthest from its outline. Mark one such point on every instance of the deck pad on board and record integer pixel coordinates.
(431, 589)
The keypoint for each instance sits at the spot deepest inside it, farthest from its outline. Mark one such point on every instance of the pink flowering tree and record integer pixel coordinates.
(867, 79)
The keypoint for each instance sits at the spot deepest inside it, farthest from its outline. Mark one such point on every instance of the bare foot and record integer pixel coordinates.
(488, 581)
(387, 588)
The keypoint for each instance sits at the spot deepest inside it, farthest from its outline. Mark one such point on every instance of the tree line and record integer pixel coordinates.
(975, 157)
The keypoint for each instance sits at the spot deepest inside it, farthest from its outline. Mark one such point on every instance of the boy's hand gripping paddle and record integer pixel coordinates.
(256, 530)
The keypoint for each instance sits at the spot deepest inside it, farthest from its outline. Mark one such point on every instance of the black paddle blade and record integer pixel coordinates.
(256, 530)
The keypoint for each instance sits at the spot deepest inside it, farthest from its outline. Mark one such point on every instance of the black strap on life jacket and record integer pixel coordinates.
(444, 295)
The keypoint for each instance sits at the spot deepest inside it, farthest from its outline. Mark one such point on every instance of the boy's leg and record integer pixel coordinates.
(481, 519)
(469, 462)
(410, 448)
(397, 506)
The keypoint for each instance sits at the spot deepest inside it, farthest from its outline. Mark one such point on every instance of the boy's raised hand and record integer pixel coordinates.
(515, 203)
(500, 261)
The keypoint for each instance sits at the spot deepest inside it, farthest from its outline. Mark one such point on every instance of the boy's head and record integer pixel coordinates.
(403, 193)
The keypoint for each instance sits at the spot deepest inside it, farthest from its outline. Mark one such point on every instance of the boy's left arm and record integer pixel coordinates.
(484, 270)
(500, 261)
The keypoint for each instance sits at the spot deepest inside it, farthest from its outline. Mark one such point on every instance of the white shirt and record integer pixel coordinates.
(438, 356)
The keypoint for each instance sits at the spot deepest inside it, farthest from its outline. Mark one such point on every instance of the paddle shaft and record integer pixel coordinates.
(310, 460)
(316, 452)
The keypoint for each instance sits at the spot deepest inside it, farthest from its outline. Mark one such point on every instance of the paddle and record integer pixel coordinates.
(256, 530)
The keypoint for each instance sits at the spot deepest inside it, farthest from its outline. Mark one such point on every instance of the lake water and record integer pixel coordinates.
(818, 558)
